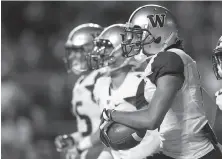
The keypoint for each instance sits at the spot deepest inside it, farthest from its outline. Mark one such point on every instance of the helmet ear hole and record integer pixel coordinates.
(137, 27)
(157, 40)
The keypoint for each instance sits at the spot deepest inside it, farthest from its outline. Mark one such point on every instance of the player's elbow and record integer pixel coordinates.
(150, 123)
(153, 126)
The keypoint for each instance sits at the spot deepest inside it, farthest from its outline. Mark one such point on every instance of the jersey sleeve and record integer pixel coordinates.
(76, 85)
(96, 91)
(73, 101)
(97, 77)
(166, 63)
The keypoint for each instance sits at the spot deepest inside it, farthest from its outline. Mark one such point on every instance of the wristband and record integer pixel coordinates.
(110, 115)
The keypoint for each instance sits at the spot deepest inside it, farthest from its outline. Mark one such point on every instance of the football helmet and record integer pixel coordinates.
(151, 28)
(217, 59)
(78, 45)
(107, 50)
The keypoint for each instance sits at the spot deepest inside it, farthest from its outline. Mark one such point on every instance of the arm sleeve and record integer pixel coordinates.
(96, 91)
(166, 63)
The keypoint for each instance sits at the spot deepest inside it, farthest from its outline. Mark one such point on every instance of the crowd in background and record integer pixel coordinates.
(36, 90)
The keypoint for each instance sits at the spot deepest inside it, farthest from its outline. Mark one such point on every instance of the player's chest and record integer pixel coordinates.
(117, 98)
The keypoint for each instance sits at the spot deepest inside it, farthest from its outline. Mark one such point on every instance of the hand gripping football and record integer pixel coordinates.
(122, 137)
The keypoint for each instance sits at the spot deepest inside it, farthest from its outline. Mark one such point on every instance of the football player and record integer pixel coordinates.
(84, 143)
(121, 89)
(176, 108)
(217, 67)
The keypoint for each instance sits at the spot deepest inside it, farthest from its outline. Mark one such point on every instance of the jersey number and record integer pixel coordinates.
(85, 118)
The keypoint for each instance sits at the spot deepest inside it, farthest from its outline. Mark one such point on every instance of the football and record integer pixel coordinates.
(122, 137)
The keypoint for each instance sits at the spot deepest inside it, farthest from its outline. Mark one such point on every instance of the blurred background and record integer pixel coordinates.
(35, 88)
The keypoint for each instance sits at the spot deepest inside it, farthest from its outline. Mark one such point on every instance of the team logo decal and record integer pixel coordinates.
(157, 19)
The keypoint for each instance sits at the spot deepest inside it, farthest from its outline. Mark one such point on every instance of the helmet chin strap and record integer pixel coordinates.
(141, 57)
(125, 63)
(110, 70)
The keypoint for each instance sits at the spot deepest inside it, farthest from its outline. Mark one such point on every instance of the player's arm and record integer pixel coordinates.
(151, 118)
(66, 141)
(168, 77)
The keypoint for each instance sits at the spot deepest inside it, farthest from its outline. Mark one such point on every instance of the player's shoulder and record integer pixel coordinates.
(102, 81)
(100, 86)
(78, 82)
(166, 62)
(93, 75)
(133, 79)
(162, 58)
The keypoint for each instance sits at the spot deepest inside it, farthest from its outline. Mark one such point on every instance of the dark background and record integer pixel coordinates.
(36, 90)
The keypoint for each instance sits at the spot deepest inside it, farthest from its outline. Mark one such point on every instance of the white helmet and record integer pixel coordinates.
(78, 45)
(151, 28)
(107, 51)
(217, 59)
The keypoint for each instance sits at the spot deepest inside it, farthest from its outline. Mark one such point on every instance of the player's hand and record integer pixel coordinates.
(63, 142)
(103, 132)
(218, 95)
(107, 114)
(105, 117)
(106, 121)
(72, 153)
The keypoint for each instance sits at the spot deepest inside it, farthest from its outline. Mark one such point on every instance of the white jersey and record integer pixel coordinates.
(129, 96)
(83, 104)
(218, 95)
(180, 130)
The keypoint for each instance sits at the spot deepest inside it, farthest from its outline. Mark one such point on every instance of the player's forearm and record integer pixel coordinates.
(152, 117)
(138, 119)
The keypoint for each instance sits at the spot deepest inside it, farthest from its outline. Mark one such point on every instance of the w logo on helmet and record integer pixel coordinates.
(157, 19)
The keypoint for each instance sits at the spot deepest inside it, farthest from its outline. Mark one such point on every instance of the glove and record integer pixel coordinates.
(63, 142)
(103, 133)
(218, 95)
(107, 114)
(106, 121)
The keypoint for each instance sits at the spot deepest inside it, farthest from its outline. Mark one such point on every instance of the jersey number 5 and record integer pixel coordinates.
(85, 118)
